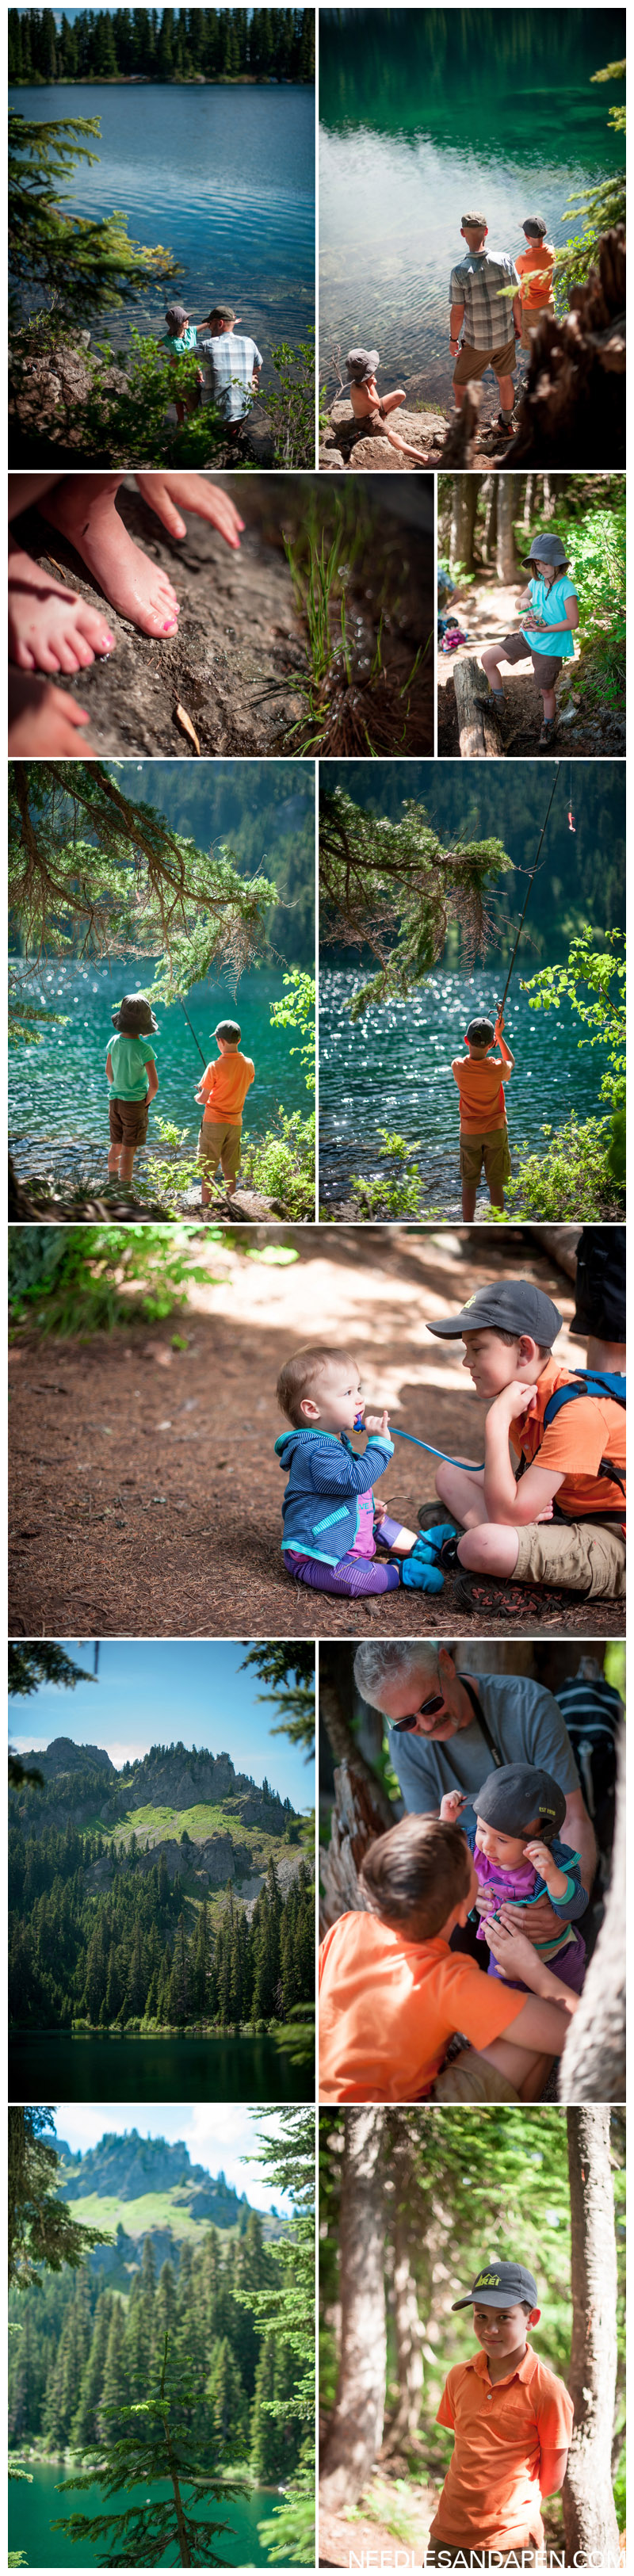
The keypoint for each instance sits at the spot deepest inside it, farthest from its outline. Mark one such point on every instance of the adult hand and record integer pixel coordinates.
(168, 494)
(538, 1921)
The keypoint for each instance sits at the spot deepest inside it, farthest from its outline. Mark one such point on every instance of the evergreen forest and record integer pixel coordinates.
(161, 45)
(145, 1953)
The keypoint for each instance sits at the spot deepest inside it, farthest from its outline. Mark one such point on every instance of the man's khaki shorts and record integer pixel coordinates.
(473, 362)
(546, 666)
(220, 1143)
(128, 1121)
(588, 1556)
(531, 317)
(492, 1151)
(471, 2078)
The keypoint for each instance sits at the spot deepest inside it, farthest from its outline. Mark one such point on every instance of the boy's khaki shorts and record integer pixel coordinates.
(546, 666)
(471, 2078)
(588, 1556)
(530, 318)
(493, 1151)
(219, 1142)
(472, 362)
(128, 1121)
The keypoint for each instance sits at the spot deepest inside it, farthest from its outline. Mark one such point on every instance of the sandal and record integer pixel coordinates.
(516, 1601)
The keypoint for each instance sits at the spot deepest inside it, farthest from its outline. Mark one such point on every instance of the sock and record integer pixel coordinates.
(506, 415)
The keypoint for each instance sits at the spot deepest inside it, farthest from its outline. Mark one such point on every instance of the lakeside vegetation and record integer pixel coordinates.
(161, 45)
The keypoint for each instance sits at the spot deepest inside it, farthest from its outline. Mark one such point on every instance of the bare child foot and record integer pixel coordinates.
(83, 508)
(50, 629)
(43, 721)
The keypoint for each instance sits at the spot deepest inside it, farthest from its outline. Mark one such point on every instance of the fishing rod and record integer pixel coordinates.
(530, 881)
(203, 1058)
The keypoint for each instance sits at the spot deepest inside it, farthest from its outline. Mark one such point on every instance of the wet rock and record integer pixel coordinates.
(331, 460)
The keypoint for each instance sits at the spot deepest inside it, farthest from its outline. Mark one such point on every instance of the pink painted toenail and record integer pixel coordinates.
(170, 623)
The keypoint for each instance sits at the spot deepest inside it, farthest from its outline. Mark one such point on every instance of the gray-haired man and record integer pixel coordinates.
(448, 1728)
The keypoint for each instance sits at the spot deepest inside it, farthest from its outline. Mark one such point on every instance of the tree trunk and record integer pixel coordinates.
(478, 726)
(590, 2525)
(343, 1742)
(593, 2063)
(463, 517)
(355, 2431)
(529, 500)
(506, 557)
(404, 2424)
(576, 374)
(356, 1821)
(490, 497)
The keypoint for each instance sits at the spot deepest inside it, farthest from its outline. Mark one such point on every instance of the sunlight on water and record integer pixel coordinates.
(393, 1070)
(222, 177)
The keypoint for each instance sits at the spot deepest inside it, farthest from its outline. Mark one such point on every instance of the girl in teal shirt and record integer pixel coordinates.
(551, 613)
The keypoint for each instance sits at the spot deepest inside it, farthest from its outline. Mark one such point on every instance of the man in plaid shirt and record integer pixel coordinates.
(484, 293)
(234, 366)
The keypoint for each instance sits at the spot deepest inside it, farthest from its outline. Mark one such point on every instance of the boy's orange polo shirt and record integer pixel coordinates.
(481, 1087)
(535, 269)
(388, 2008)
(574, 1444)
(491, 2496)
(224, 1086)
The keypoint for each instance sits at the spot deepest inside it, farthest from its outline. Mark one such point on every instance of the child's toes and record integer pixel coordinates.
(68, 656)
(22, 655)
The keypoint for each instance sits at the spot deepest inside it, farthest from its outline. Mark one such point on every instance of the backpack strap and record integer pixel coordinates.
(593, 1382)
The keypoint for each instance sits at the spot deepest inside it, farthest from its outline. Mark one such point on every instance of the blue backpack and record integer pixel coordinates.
(598, 1383)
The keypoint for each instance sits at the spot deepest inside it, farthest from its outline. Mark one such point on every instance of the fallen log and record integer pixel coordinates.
(480, 737)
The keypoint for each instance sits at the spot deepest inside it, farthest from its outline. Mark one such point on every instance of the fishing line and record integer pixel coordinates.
(530, 881)
(203, 1058)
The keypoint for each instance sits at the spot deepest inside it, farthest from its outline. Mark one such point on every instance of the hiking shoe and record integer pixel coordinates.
(492, 699)
(429, 1518)
(518, 1602)
(548, 733)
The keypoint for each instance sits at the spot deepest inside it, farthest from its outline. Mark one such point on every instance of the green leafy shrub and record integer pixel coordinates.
(70, 1279)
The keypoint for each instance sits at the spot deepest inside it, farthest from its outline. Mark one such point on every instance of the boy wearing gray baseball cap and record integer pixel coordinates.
(548, 1505)
(512, 2421)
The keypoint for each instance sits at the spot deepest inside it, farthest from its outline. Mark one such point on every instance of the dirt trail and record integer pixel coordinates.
(240, 650)
(487, 610)
(146, 1494)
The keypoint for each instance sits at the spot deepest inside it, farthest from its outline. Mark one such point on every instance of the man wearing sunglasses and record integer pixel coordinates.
(450, 1729)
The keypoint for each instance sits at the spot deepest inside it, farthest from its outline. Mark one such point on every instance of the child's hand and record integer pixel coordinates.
(499, 1025)
(380, 1510)
(515, 1399)
(541, 1858)
(168, 494)
(513, 1953)
(377, 1422)
(485, 1902)
(451, 1806)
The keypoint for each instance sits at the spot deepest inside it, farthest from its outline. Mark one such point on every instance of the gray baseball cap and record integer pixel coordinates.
(516, 1794)
(500, 2285)
(509, 1306)
(546, 550)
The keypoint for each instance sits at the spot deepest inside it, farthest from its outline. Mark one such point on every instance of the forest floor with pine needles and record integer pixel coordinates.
(146, 1493)
(229, 682)
(486, 610)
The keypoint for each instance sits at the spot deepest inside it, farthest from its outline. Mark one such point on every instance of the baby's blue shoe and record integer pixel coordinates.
(431, 1541)
(419, 1574)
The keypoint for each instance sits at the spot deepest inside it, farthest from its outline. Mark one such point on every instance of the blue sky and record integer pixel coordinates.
(155, 1692)
(219, 2136)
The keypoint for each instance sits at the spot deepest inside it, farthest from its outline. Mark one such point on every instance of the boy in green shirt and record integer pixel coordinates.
(133, 1081)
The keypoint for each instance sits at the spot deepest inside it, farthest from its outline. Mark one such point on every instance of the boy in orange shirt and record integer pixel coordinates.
(483, 1130)
(511, 2449)
(392, 1994)
(548, 1506)
(223, 1089)
(535, 269)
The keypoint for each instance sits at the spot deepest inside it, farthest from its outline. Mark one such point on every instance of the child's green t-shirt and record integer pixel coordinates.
(129, 1057)
(549, 602)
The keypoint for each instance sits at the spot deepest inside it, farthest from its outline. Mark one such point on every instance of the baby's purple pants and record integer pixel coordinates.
(354, 1574)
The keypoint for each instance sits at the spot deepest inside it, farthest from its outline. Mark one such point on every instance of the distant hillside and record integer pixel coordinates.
(206, 1818)
(139, 2187)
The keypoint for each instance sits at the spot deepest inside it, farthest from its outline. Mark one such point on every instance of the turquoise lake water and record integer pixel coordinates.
(424, 114)
(32, 2509)
(393, 1070)
(222, 177)
(58, 1095)
(64, 2067)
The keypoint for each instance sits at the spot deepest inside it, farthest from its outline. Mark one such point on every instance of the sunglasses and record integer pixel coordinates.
(429, 1708)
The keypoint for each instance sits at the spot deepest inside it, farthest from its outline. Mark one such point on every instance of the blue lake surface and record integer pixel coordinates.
(32, 2509)
(392, 1070)
(58, 1093)
(424, 113)
(222, 177)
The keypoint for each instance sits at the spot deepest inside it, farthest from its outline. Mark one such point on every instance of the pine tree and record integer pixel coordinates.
(157, 2446)
(114, 2391)
(84, 2428)
(227, 2399)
